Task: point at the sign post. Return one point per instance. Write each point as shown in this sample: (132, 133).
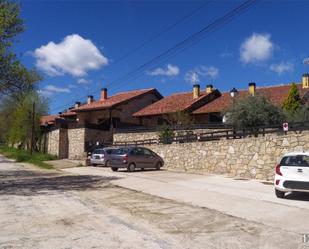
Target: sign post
(285, 127)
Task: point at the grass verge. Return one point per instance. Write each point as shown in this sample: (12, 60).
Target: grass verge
(24, 156)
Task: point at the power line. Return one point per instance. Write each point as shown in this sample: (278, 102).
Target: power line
(189, 41)
(194, 38)
(156, 36)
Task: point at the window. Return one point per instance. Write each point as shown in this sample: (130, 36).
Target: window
(298, 160)
(148, 152)
(137, 152)
(98, 151)
(120, 151)
(162, 121)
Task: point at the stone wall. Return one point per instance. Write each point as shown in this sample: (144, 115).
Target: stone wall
(76, 143)
(135, 136)
(52, 142)
(248, 157)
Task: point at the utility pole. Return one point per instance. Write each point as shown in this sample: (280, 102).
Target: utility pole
(32, 127)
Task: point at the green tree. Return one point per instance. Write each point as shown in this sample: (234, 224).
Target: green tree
(301, 115)
(292, 103)
(17, 83)
(253, 111)
(181, 118)
(20, 130)
(15, 79)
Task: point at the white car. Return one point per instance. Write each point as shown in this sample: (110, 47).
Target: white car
(292, 174)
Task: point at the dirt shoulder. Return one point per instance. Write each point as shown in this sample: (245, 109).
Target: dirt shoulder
(55, 210)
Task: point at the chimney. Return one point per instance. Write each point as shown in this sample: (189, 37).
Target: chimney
(196, 91)
(103, 94)
(305, 80)
(77, 104)
(252, 88)
(89, 99)
(209, 88)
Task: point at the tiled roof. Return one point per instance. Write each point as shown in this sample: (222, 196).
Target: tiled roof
(116, 99)
(276, 94)
(68, 113)
(170, 104)
(48, 119)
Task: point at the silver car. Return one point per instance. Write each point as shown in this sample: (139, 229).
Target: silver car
(132, 158)
(101, 156)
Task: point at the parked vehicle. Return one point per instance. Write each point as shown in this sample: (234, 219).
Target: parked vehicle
(292, 174)
(135, 157)
(101, 156)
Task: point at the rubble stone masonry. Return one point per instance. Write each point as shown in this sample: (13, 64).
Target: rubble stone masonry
(76, 143)
(249, 157)
(53, 142)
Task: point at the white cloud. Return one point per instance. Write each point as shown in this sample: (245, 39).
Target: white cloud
(170, 70)
(83, 81)
(256, 48)
(74, 55)
(211, 72)
(282, 67)
(51, 89)
(226, 55)
(192, 77)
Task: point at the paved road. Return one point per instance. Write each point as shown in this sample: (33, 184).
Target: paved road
(52, 209)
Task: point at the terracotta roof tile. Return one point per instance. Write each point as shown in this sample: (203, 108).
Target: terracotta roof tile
(170, 104)
(115, 100)
(48, 119)
(276, 95)
(68, 113)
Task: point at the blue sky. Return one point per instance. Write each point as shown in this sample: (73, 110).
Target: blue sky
(74, 44)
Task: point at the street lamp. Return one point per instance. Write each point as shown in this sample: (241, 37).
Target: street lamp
(233, 93)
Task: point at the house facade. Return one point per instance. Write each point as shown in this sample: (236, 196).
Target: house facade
(71, 133)
(164, 110)
(275, 94)
(82, 127)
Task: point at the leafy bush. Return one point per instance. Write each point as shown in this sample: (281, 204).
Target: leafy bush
(254, 111)
(301, 115)
(166, 134)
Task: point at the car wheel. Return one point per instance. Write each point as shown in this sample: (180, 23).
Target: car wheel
(158, 166)
(107, 164)
(94, 165)
(131, 167)
(114, 169)
(279, 194)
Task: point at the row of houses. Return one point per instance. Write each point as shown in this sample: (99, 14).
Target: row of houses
(71, 133)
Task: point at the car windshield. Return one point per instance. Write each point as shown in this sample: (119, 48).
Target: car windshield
(98, 151)
(297, 160)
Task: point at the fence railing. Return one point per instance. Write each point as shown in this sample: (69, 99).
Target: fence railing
(217, 135)
(137, 129)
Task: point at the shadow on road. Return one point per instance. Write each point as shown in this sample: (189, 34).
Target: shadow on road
(5, 174)
(23, 182)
